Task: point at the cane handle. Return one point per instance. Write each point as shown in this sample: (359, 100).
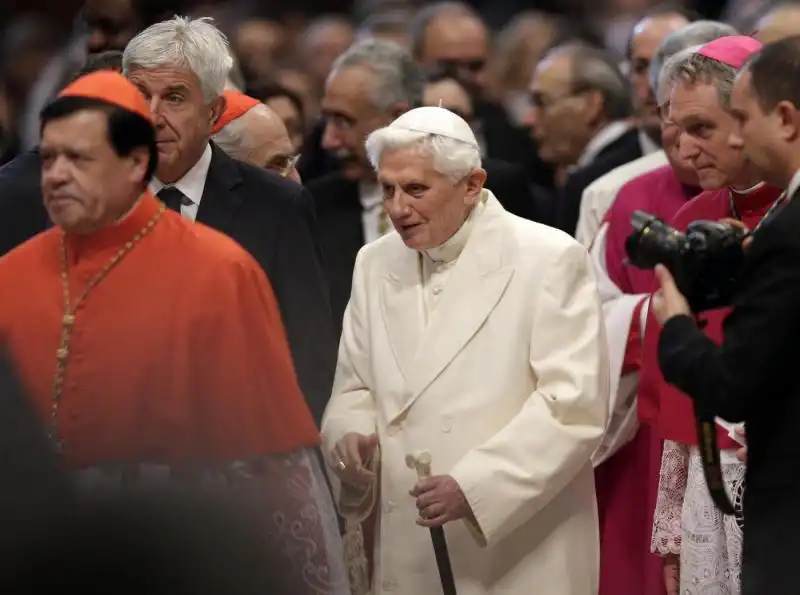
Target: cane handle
(420, 461)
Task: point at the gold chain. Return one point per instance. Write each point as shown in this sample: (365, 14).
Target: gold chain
(70, 312)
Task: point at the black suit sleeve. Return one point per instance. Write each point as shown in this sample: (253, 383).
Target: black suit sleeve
(299, 284)
(760, 336)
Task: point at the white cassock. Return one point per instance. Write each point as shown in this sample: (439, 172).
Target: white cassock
(598, 197)
(488, 352)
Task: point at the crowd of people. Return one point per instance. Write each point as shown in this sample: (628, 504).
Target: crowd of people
(216, 276)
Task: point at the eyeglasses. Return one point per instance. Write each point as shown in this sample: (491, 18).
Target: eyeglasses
(283, 164)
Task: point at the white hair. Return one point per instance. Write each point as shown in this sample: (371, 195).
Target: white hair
(690, 67)
(694, 34)
(450, 157)
(233, 138)
(195, 45)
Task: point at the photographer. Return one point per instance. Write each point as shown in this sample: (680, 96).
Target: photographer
(702, 549)
(751, 377)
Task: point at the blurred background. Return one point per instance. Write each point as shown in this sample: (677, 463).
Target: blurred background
(290, 45)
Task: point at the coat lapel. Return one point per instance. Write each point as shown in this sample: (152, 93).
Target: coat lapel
(401, 307)
(219, 204)
(474, 288)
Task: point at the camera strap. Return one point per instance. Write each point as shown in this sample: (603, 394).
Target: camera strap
(710, 457)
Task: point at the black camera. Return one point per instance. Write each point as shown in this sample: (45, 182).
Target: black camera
(704, 261)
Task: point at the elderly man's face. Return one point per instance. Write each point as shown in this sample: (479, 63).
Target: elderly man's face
(647, 36)
(557, 118)
(705, 128)
(111, 24)
(425, 206)
(272, 148)
(757, 133)
(459, 43)
(85, 184)
(182, 117)
(349, 118)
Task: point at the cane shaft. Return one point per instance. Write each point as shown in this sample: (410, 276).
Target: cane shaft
(443, 561)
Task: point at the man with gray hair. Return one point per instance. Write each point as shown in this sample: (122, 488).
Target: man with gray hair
(371, 84)
(580, 117)
(464, 356)
(452, 37)
(629, 459)
(646, 37)
(181, 67)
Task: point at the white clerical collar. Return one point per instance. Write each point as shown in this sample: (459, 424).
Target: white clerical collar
(452, 248)
(193, 181)
(794, 185)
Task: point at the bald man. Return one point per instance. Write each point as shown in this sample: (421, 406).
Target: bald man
(780, 22)
(646, 36)
(259, 137)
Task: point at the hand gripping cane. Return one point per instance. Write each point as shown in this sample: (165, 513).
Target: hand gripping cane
(421, 461)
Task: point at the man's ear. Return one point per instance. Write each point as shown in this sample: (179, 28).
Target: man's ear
(217, 108)
(140, 159)
(475, 182)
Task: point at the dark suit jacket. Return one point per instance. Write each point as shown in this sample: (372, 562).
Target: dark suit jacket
(22, 212)
(623, 150)
(752, 378)
(342, 235)
(273, 219)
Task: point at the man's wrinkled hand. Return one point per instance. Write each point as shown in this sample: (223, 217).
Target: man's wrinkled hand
(439, 501)
(668, 301)
(350, 457)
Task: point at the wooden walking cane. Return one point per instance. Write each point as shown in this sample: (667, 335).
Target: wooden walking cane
(421, 461)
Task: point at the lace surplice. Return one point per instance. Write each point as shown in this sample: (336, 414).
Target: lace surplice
(302, 523)
(687, 523)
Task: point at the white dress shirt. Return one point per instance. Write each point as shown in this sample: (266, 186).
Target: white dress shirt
(191, 185)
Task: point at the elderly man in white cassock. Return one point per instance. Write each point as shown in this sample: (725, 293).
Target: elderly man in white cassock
(476, 337)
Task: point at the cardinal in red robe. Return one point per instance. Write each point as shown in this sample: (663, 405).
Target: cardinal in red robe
(153, 347)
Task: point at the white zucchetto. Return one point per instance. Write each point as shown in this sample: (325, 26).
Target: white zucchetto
(439, 121)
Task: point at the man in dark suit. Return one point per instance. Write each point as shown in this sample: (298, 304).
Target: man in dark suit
(370, 85)
(452, 37)
(752, 376)
(581, 117)
(271, 217)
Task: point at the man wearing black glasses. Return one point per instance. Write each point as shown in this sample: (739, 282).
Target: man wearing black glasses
(452, 37)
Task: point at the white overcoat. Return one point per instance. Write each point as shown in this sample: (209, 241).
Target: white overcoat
(507, 388)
